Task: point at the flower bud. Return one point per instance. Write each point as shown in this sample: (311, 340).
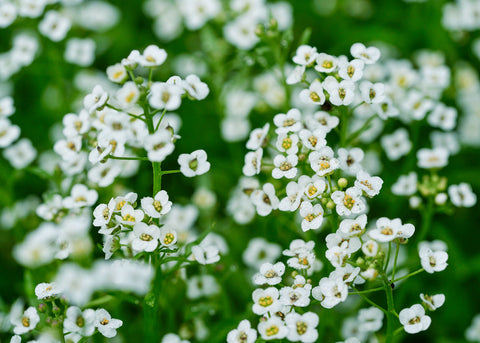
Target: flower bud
(42, 307)
(342, 182)
(330, 204)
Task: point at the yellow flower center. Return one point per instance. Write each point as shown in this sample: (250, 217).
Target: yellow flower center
(120, 205)
(146, 237)
(301, 328)
(128, 218)
(348, 201)
(284, 166)
(265, 301)
(287, 143)
(314, 96)
(169, 237)
(272, 330)
(327, 64)
(157, 206)
(26, 322)
(288, 122)
(312, 190)
(104, 321)
(387, 231)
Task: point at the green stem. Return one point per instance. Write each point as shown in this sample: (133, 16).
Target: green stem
(370, 301)
(130, 158)
(390, 314)
(170, 172)
(388, 256)
(395, 261)
(157, 169)
(161, 118)
(368, 290)
(409, 275)
(427, 216)
(357, 133)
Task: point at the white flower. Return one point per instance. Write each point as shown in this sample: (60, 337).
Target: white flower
(205, 254)
(473, 331)
(305, 55)
(105, 324)
(194, 164)
(129, 216)
(272, 328)
(370, 319)
(168, 236)
(243, 333)
(8, 14)
(293, 198)
(253, 162)
(325, 63)
(322, 119)
(265, 199)
(117, 73)
(80, 51)
(258, 137)
(296, 75)
(312, 187)
(462, 195)
(433, 261)
(443, 117)
(369, 55)
(25, 322)
(330, 292)
(313, 95)
(352, 70)
(197, 12)
(157, 206)
(202, 286)
(290, 122)
(370, 248)
(406, 184)
(165, 96)
(432, 158)
(146, 237)
(322, 161)
(287, 143)
(159, 145)
(386, 229)
(285, 166)
(95, 100)
(47, 290)
(348, 202)
(241, 32)
(152, 56)
(260, 251)
(6, 103)
(128, 95)
(8, 133)
(266, 300)
(269, 274)
(372, 93)
(371, 185)
(396, 144)
(312, 216)
(302, 327)
(353, 227)
(350, 160)
(195, 87)
(341, 93)
(414, 319)
(54, 26)
(79, 322)
(433, 301)
(313, 140)
(298, 296)
(21, 154)
(80, 196)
